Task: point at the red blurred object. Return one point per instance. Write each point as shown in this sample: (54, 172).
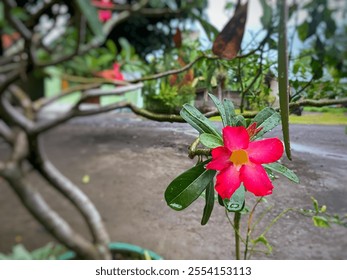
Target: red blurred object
(112, 74)
(104, 15)
(103, 5)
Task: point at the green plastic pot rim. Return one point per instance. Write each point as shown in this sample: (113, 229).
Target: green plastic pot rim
(117, 246)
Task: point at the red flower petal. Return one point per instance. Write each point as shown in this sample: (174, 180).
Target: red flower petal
(228, 181)
(255, 179)
(265, 151)
(220, 159)
(235, 138)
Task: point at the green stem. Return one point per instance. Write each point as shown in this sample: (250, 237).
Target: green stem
(237, 218)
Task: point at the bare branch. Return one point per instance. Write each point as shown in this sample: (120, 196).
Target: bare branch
(15, 116)
(71, 192)
(24, 101)
(16, 22)
(42, 102)
(88, 80)
(81, 34)
(5, 132)
(38, 207)
(116, 91)
(20, 147)
(174, 71)
(7, 80)
(46, 5)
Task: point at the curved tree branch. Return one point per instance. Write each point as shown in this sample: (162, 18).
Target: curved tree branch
(70, 191)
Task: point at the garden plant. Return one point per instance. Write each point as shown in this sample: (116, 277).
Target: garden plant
(238, 156)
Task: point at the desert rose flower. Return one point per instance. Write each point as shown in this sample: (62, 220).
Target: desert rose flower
(240, 161)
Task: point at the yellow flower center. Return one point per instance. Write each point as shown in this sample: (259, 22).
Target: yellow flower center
(239, 157)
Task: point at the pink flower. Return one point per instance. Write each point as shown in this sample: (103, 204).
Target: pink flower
(240, 161)
(117, 73)
(104, 15)
(112, 74)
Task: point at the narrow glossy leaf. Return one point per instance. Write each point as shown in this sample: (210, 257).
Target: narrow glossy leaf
(283, 75)
(210, 140)
(220, 108)
(209, 203)
(240, 121)
(91, 15)
(188, 186)
(229, 112)
(237, 200)
(263, 115)
(197, 120)
(281, 169)
(266, 18)
(267, 119)
(320, 221)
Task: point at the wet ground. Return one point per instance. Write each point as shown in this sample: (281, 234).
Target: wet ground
(130, 163)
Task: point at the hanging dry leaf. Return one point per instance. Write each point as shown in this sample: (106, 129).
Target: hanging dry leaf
(228, 42)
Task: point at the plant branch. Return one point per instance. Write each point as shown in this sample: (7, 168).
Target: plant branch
(70, 191)
(6, 133)
(16, 22)
(174, 71)
(38, 207)
(15, 116)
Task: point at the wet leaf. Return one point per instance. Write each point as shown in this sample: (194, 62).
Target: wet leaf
(228, 42)
(240, 121)
(237, 200)
(281, 169)
(188, 186)
(210, 140)
(220, 108)
(209, 203)
(267, 119)
(197, 120)
(229, 112)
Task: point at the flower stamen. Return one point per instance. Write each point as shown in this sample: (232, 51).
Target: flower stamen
(239, 158)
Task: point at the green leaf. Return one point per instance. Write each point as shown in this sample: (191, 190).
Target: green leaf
(237, 200)
(240, 121)
(20, 253)
(220, 201)
(320, 221)
(262, 239)
(91, 15)
(210, 140)
(315, 204)
(267, 14)
(302, 30)
(197, 120)
(220, 108)
(281, 169)
(209, 199)
(268, 119)
(188, 186)
(229, 112)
